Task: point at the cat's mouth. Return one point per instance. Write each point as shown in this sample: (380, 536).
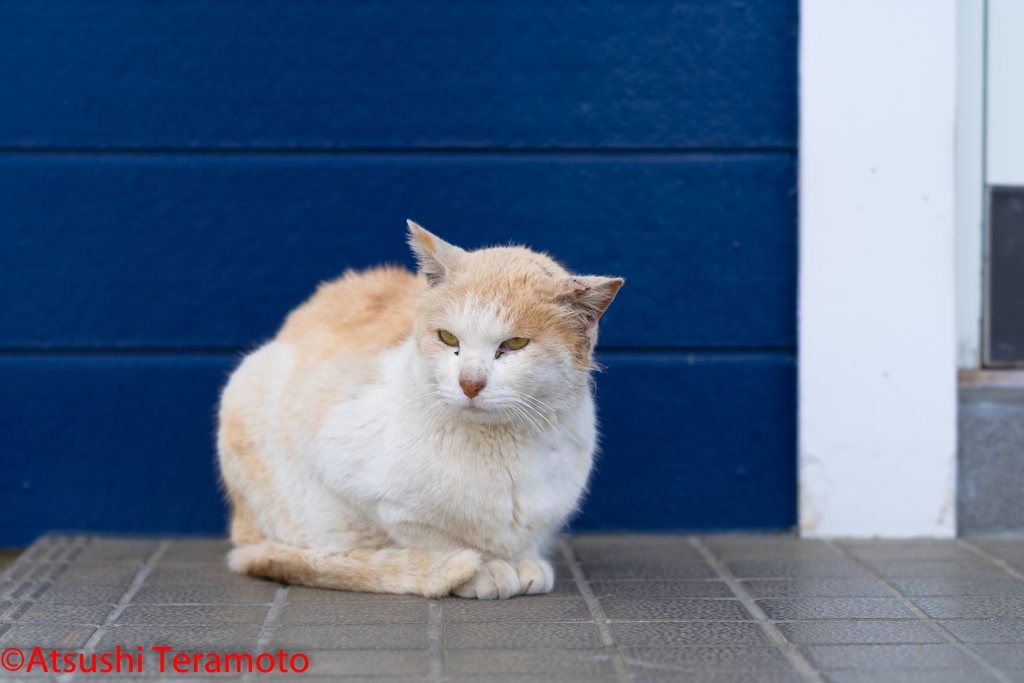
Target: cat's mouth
(478, 407)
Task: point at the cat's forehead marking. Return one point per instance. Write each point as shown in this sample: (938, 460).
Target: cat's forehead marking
(483, 320)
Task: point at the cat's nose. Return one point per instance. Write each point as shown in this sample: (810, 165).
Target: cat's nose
(471, 386)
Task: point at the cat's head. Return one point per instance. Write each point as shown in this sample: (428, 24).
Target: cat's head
(505, 327)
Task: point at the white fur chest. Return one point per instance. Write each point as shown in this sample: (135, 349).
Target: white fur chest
(435, 482)
(500, 494)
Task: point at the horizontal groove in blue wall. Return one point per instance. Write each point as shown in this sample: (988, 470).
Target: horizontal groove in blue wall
(119, 358)
(693, 356)
(128, 352)
(658, 353)
(387, 155)
(417, 151)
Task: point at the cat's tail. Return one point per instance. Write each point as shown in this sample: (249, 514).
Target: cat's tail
(390, 570)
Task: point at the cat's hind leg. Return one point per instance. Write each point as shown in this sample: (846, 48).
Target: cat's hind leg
(244, 530)
(388, 570)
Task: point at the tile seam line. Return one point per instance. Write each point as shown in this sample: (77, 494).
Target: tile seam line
(802, 665)
(618, 660)
(435, 631)
(269, 625)
(8, 572)
(270, 622)
(999, 562)
(923, 616)
(126, 597)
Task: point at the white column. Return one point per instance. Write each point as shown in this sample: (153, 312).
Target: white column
(970, 179)
(1005, 90)
(877, 306)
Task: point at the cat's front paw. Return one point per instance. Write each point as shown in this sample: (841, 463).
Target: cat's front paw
(495, 579)
(535, 576)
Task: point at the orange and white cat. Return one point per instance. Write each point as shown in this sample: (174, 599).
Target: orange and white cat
(424, 434)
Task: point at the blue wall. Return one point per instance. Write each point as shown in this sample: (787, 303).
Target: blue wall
(175, 177)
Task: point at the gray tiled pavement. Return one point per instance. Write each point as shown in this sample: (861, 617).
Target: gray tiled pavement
(713, 609)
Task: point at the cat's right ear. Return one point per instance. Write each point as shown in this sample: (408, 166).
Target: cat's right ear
(589, 296)
(436, 258)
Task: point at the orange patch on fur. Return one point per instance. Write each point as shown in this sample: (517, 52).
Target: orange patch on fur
(409, 571)
(360, 312)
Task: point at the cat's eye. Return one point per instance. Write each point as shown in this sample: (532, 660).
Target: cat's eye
(516, 343)
(448, 338)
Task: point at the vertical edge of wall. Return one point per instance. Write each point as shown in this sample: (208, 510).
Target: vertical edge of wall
(970, 179)
(877, 340)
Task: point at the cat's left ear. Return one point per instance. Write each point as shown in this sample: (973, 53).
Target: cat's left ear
(436, 258)
(590, 295)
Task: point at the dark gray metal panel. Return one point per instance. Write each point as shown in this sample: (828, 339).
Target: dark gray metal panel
(1005, 291)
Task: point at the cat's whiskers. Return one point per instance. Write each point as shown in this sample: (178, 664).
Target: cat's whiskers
(528, 408)
(437, 409)
(504, 415)
(559, 427)
(517, 407)
(525, 398)
(529, 397)
(535, 404)
(554, 427)
(518, 419)
(508, 418)
(428, 394)
(534, 400)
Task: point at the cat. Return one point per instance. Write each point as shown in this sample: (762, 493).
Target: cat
(422, 433)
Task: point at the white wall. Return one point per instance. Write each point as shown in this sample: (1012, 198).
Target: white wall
(970, 179)
(877, 333)
(1005, 89)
